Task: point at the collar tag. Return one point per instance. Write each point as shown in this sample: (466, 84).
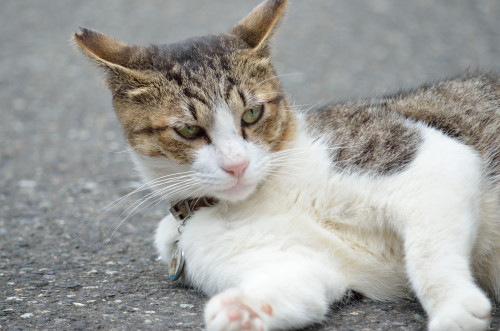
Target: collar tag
(176, 263)
(182, 211)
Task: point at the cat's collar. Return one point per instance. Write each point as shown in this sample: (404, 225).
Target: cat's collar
(184, 209)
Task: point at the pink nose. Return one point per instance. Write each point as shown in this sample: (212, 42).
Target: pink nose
(236, 169)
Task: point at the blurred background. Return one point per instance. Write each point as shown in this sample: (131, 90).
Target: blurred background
(61, 158)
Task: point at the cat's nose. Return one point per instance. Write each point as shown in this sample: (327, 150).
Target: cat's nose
(236, 169)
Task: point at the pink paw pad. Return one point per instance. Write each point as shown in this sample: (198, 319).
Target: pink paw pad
(238, 314)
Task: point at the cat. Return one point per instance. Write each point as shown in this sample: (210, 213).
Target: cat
(279, 213)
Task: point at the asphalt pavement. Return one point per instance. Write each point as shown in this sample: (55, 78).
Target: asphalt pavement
(66, 261)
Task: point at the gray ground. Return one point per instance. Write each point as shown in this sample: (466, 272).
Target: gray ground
(60, 160)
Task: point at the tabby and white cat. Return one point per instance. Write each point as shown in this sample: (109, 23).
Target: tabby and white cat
(388, 197)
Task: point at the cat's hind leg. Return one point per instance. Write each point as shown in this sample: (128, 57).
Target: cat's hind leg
(440, 202)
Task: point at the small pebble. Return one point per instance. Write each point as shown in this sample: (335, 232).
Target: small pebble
(27, 184)
(14, 299)
(398, 324)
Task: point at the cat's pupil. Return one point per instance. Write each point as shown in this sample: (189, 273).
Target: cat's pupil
(252, 115)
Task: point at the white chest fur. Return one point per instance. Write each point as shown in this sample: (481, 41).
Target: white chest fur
(330, 217)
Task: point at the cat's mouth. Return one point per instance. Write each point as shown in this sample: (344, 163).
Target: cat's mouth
(237, 192)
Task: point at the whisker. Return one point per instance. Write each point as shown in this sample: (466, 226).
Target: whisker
(146, 186)
(139, 202)
(157, 196)
(128, 149)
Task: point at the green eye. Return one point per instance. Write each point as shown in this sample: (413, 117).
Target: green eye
(190, 132)
(252, 115)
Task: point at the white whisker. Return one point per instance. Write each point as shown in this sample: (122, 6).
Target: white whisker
(157, 197)
(148, 185)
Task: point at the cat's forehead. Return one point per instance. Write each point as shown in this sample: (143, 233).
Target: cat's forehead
(197, 58)
(205, 73)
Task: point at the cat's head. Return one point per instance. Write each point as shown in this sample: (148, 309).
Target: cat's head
(202, 116)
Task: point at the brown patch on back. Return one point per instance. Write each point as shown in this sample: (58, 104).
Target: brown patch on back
(466, 108)
(365, 137)
(374, 136)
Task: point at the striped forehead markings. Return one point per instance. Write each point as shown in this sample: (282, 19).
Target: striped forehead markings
(190, 94)
(192, 109)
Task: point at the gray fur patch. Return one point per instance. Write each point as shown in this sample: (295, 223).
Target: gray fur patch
(377, 137)
(365, 137)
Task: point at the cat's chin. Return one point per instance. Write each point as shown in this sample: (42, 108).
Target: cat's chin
(236, 193)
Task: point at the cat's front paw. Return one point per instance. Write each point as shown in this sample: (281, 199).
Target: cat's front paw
(231, 310)
(469, 311)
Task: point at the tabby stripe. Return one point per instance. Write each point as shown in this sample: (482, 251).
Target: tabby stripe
(150, 130)
(243, 98)
(190, 94)
(276, 100)
(193, 111)
(229, 89)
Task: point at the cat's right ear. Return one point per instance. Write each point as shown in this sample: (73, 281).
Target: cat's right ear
(115, 57)
(257, 28)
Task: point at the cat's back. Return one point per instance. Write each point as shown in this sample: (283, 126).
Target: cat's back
(381, 135)
(466, 108)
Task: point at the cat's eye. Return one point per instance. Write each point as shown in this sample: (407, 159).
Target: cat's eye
(190, 131)
(252, 115)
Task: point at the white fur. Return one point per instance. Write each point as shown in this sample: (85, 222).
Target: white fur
(311, 232)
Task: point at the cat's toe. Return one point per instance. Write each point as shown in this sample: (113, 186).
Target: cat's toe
(467, 312)
(230, 310)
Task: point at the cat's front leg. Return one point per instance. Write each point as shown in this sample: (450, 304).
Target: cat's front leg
(233, 310)
(285, 296)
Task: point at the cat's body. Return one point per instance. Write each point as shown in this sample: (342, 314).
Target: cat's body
(390, 197)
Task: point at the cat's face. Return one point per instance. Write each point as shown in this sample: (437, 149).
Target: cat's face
(203, 117)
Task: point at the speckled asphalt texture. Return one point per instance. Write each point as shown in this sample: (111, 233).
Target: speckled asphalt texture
(66, 261)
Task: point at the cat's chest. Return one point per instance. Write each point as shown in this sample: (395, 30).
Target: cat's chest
(309, 192)
(308, 204)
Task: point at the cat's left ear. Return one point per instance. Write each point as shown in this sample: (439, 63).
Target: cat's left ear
(258, 27)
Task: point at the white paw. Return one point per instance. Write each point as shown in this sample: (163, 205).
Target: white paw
(469, 312)
(231, 310)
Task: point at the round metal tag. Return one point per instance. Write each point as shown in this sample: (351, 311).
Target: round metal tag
(176, 263)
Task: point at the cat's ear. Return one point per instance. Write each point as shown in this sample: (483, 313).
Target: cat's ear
(114, 56)
(257, 28)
